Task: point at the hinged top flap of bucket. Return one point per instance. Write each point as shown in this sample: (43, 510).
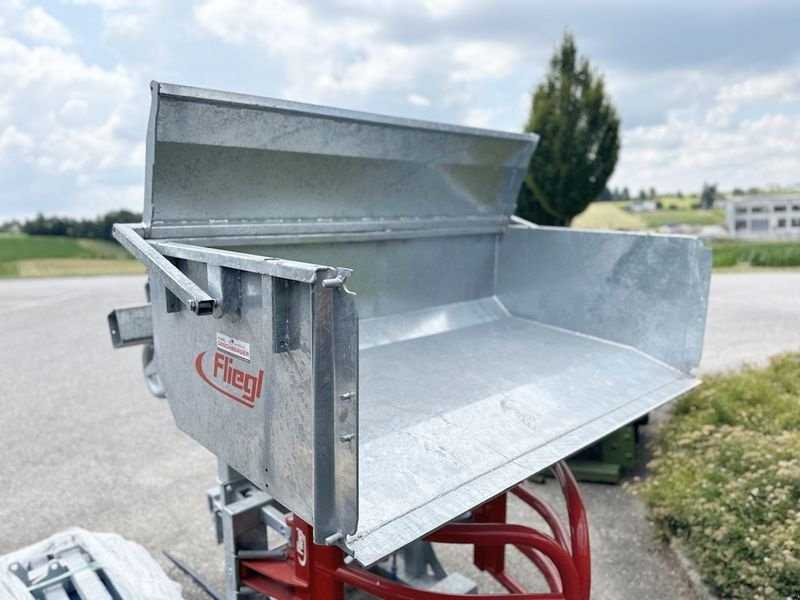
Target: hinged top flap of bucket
(230, 164)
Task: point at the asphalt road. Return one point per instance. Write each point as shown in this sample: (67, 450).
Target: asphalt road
(83, 443)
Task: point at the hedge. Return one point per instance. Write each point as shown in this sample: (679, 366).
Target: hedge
(725, 478)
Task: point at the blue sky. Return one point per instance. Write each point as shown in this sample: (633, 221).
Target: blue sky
(707, 91)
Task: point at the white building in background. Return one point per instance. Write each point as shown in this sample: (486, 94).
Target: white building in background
(764, 217)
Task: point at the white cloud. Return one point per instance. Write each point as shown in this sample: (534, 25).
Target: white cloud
(435, 9)
(37, 24)
(329, 58)
(122, 18)
(418, 100)
(781, 87)
(14, 143)
(110, 4)
(441, 9)
(738, 128)
(685, 152)
(475, 61)
(62, 125)
(74, 109)
(721, 114)
(321, 58)
(478, 117)
(73, 104)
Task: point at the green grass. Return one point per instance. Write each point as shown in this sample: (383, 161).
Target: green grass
(755, 254)
(726, 480)
(683, 203)
(61, 267)
(104, 249)
(715, 216)
(49, 256)
(20, 246)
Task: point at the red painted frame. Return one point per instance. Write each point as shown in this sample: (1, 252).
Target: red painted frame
(319, 573)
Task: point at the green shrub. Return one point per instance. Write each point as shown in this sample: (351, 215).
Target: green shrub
(726, 480)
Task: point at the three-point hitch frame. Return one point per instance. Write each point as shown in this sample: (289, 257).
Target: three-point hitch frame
(298, 569)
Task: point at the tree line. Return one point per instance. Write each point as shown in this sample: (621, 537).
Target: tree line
(98, 228)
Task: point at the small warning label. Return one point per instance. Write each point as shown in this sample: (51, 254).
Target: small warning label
(234, 347)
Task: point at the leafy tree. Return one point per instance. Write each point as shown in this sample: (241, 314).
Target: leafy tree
(12, 226)
(626, 195)
(605, 195)
(579, 143)
(642, 195)
(652, 193)
(708, 195)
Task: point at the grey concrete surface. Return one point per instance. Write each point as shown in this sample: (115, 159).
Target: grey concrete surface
(751, 317)
(83, 443)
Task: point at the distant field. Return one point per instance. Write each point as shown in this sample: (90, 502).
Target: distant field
(728, 255)
(611, 215)
(715, 216)
(682, 203)
(608, 215)
(49, 256)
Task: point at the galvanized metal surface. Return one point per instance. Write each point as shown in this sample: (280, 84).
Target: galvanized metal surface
(286, 437)
(481, 407)
(248, 166)
(131, 326)
(645, 291)
(476, 351)
(181, 287)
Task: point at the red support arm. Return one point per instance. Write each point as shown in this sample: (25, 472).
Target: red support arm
(313, 572)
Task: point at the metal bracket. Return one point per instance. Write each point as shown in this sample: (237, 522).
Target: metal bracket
(131, 326)
(243, 515)
(183, 288)
(224, 285)
(285, 325)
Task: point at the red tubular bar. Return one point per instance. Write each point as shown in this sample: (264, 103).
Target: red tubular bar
(499, 534)
(392, 590)
(488, 557)
(492, 558)
(554, 523)
(546, 568)
(312, 572)
(578, 525)
(546, 512)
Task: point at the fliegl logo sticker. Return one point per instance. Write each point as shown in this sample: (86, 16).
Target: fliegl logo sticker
(222, 372)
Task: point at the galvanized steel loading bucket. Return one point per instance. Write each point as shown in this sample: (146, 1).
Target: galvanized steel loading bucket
(448, 351)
